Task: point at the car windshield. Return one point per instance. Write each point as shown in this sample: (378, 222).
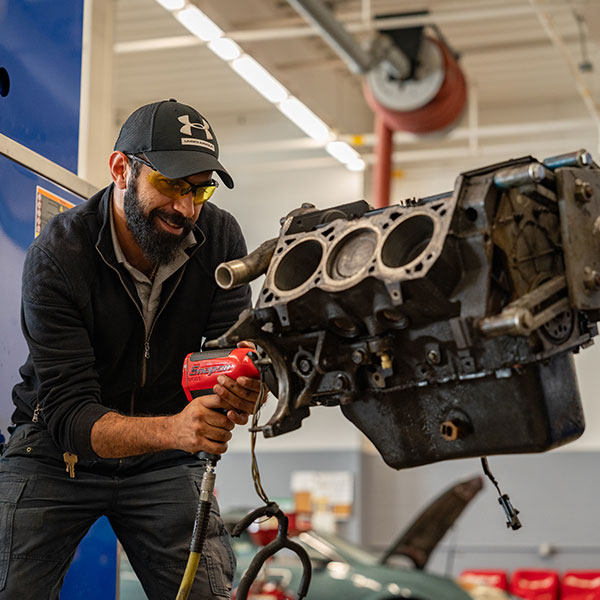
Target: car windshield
(333, 546)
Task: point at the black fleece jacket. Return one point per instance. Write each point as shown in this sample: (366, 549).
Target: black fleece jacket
(89, 351)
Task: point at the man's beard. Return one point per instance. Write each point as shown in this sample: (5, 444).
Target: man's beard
(158, 246)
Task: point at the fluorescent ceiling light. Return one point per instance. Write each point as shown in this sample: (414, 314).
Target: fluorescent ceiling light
(342, 151)
(193, 19)
(306, 119)
(259, 78)
(172, 4)
(356, 165)
(199, 24)
(225, 48)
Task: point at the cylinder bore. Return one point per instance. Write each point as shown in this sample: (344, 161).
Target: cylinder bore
(352, 254)
(407, 241)
(298, 265)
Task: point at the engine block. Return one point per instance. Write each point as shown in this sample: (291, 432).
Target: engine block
(443, 327)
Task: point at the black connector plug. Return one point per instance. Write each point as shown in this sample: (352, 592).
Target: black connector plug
(512, 521)
(511, 513)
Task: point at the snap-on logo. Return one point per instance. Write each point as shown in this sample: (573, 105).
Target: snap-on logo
(197, 370)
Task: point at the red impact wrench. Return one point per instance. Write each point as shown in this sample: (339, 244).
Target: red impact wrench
(200, 372)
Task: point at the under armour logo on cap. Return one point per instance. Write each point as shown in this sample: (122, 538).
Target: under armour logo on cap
(187, 126)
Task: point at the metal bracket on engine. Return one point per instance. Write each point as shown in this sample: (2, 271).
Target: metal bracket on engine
(580, 228)
(519, 318)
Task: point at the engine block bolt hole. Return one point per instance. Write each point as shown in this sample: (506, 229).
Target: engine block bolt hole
(471, 214)
(358, 356)
(450, 431)
(305, 366)
(434, 357)
(341, 382)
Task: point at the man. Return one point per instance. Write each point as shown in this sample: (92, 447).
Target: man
(115, 293)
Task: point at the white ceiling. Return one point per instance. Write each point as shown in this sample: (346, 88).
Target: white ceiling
(520, 58)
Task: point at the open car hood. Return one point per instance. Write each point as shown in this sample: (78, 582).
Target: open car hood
(425, 532)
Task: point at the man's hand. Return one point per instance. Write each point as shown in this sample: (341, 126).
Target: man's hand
(240, 395)
(203, 426)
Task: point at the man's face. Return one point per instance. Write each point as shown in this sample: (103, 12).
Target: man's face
(158, 223)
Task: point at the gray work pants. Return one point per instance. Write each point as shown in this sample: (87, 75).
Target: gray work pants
(150, 501)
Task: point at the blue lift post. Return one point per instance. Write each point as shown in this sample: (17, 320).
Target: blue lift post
(40, 78)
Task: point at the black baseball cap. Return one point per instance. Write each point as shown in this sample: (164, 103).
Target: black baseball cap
(175, 138)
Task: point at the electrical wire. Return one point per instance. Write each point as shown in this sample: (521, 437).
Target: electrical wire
(253, 434)
(512, 520)
(488, 473)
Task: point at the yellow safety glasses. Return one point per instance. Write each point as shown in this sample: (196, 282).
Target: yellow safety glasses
(177, 188)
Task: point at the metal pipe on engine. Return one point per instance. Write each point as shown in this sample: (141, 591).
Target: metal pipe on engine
(580, 158)
(243, 270)
(522, 175)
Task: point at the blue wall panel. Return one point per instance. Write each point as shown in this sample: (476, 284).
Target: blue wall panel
(94, 570)
(93, 573)
(17, 224)
(40, 53)
(40, 78)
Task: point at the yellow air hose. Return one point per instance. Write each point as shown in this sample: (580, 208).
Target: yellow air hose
(200, 526)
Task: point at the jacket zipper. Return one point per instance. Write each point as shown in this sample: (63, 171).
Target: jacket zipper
(36, 413)
(147, 336)
(147, 333)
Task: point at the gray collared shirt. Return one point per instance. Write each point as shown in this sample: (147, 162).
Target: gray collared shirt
(149, 290)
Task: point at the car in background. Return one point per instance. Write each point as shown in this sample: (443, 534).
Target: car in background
(342, 570)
